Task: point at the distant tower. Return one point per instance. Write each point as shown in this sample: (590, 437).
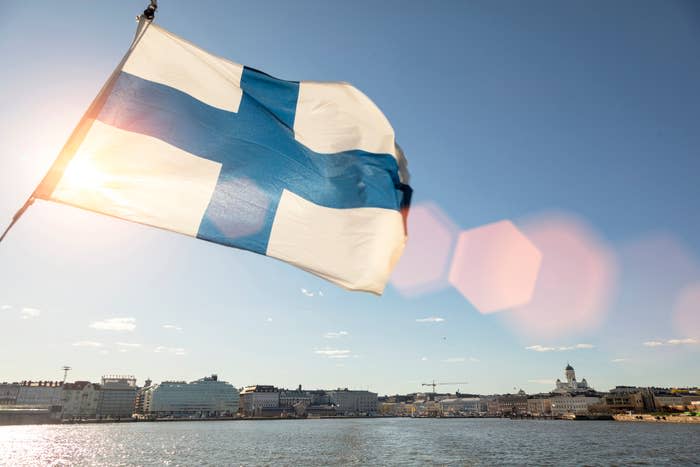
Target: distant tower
(65, 369)
(570, 373)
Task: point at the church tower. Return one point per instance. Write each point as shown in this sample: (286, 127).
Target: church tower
(570, 373)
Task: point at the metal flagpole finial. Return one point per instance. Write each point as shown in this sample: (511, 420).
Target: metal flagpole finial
(150, 12)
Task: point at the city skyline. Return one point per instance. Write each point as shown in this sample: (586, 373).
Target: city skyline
(556, 385)
(118, 397)
(581, 135)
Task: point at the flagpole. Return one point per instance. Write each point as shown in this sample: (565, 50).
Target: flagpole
(144, 19)
(150, 12)
(17, 215)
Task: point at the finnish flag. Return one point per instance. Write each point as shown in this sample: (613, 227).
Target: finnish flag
(306, 172)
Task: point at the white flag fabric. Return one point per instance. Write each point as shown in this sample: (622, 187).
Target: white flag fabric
(306, 172)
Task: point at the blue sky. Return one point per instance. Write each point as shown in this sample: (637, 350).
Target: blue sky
(506, 111)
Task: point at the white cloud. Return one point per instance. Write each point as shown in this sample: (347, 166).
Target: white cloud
(5, 307)
(685, 341)
(29, 313)
(129, 345)
(541, 381)
(172, 327)
(115, 324)
(307, 293)
(87, 344)
(424, 359)
(431, 319)
(334, 353)
(620, 360)
(540, 348)
(563, 348)
(269, 320)
(171, 350)
(335, 335)
(474, 359)
(320, 294)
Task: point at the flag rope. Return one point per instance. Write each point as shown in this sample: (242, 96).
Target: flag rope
(144, 21)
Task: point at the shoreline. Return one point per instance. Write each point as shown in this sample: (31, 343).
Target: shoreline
(625, 418)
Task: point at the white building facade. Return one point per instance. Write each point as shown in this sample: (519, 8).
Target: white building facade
(461, 405)
(350, 402)
(39, 393)
(80, 400)
(9, 393)
(576, 405)
(206, 397)
(539, 406)
(255, 399)
(571, 386)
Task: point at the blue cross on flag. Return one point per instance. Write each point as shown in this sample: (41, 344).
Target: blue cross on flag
(306, 172)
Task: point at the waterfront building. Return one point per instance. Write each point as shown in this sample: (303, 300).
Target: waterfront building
(508, 404)
(571, 386)
(294, 397)
(39, 393)
(461, 406)
(258, 399)
(565, 404)
(80, 400)
(690, 397)
(9, 393)
(320, 397)
(492, 406)
(206, 397)
(539, 405)
(295, 401)
(351, 402)
(668, 401)
(141, 397)
(692, 402)
(426, 408)
(396, 409)
(624, 399)
(117, 397)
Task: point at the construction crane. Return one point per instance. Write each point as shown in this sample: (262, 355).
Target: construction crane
(65, 369)
(434, 384)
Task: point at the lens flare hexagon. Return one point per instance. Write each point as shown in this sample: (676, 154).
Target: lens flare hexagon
(686, 313)
(575, 283)
(423, 266)
(655, 267)
(495, 266)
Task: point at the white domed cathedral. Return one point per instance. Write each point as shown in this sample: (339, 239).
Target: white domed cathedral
(571, 385)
